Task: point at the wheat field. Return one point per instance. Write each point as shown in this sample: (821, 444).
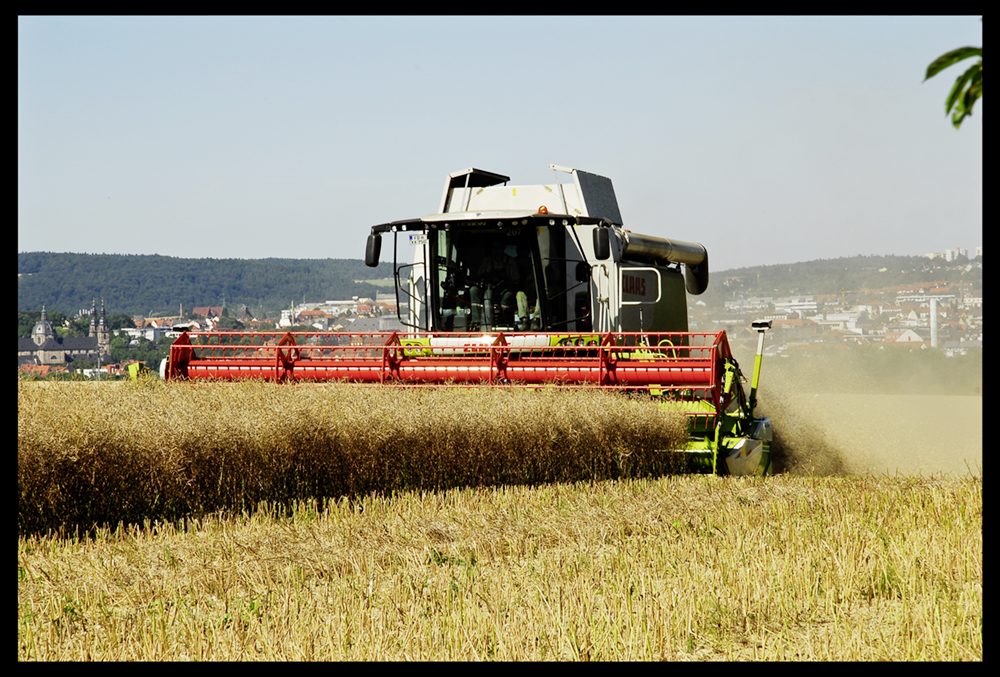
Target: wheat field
(99, 455)
(642, 565)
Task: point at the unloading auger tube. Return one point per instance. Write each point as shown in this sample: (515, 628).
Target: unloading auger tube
(526, 287)
(693, 255)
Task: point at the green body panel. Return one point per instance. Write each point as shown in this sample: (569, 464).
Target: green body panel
(669, 314)
(704, 457)
(137, 369)
(715, 435)
(575, 339)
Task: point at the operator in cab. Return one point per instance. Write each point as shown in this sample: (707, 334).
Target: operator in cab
(499, 276)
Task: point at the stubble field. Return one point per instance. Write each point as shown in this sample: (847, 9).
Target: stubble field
(822, 562)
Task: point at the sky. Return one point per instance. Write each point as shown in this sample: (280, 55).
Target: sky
(767, 139)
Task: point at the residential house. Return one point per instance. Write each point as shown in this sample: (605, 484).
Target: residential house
(790, 331)
(208, 311)
(43, 370)
(910, 336)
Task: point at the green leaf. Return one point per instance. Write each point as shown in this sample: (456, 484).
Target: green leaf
(971, 81)
(950, 59)
(965, 105)
(977, 81)
(956, 90)
(959, 115)
(970, 98)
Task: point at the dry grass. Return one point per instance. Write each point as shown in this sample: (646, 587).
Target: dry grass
(102, 454)
(225, 560)
(676, 568)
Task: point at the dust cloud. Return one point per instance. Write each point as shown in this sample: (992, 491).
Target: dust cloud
(860, 412)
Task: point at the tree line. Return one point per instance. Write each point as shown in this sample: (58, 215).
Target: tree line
(832, 276)
(158, 285)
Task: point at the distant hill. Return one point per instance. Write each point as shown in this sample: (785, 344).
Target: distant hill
(159, 284)
(833, 276)
(136, 284)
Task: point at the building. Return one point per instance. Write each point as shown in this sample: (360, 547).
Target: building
(953, 348)
(907, 335)
(800, 306)
(46, 347)
(376, 324)
(208, 311)
(790, 331)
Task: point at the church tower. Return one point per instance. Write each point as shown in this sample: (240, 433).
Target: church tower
(43, 331)
(93, 319)
(103, 332)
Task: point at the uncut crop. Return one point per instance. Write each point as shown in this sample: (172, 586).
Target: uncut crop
(103, 454)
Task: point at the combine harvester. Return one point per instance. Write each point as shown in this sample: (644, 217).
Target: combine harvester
(527, 286)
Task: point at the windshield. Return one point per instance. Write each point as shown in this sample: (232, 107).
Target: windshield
(485, 279)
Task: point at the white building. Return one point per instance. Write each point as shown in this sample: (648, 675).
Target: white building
(923, 298)
(153, 334)
(797, 305)
(845, 322)
(904, 336)
(751, 303)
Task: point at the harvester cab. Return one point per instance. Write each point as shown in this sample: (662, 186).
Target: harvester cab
(549, 257)
(527, 286)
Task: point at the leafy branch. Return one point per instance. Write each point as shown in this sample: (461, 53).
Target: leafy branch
(968, 87)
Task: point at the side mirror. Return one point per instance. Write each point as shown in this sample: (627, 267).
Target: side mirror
(373, 249)
(602, 243)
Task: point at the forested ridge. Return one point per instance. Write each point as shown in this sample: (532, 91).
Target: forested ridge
(157, 285)
(139, 284)
(846, 274)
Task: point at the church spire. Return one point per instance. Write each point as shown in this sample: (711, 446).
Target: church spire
(43, 331)
(101, 330)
